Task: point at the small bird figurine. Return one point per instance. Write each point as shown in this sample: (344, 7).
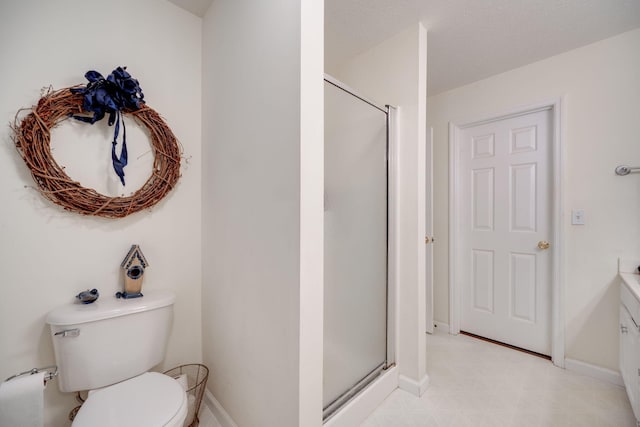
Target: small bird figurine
(88, 296)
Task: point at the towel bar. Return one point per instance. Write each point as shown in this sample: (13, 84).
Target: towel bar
(626, 170)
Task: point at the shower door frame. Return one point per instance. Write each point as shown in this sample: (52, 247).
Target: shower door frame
(391, 324)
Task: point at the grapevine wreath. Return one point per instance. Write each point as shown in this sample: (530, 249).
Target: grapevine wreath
(117, 96)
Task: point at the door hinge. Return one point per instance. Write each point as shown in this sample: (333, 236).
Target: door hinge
(428, 240)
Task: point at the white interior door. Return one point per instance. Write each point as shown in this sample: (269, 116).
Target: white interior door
(504, 226)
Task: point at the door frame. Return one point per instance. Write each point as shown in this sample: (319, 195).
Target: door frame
(557, 332)
(429, 238)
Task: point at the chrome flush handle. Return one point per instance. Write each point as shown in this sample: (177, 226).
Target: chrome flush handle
(68, 333)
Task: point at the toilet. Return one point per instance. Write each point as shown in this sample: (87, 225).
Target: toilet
(107, 348)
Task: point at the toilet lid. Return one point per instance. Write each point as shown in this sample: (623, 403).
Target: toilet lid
(150, 399)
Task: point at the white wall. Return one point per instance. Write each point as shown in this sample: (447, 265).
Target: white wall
(262, 210)
(394, 73)
(48, 255)
(601, 90)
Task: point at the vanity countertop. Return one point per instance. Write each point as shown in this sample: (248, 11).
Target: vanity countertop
(628, 272)
(632, 282)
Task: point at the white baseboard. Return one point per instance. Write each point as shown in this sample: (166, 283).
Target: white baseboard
(597, 372)
(358, 409)
(441, 327)
(206, 418)
(412, 386)
(352, 414)
(212, 404)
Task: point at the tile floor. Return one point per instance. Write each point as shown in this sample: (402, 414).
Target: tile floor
(475, 383)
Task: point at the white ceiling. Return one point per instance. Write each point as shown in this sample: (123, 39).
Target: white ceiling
(197, 7)
(469, 39)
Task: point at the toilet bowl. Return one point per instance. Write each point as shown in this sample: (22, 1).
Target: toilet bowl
(108, 348)
(150, 399)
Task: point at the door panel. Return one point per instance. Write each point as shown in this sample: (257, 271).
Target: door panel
(482, 199)
(523, 197)
(505, 277)
(522, 287)
(482, 280)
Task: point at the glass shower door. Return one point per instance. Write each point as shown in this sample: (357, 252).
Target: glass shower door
(355, 245)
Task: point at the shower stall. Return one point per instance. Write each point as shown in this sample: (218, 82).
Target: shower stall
(357, 317)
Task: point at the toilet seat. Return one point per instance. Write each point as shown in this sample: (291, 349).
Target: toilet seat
(148, 400)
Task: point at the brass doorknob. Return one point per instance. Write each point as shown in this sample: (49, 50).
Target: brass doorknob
(542, 244)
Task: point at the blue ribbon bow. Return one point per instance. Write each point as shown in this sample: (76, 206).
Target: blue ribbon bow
(118, 92)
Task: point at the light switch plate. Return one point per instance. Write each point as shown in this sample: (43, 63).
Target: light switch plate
(577, 217)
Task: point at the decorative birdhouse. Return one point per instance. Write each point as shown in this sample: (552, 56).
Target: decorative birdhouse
(133, 266)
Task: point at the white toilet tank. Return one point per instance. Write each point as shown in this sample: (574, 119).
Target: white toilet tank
(111, 340)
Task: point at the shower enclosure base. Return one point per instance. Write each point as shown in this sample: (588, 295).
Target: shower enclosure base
(363, 404)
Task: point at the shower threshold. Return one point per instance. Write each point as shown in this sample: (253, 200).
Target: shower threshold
(338, 403)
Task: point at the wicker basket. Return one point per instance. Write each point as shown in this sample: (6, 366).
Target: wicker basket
(193, 378)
